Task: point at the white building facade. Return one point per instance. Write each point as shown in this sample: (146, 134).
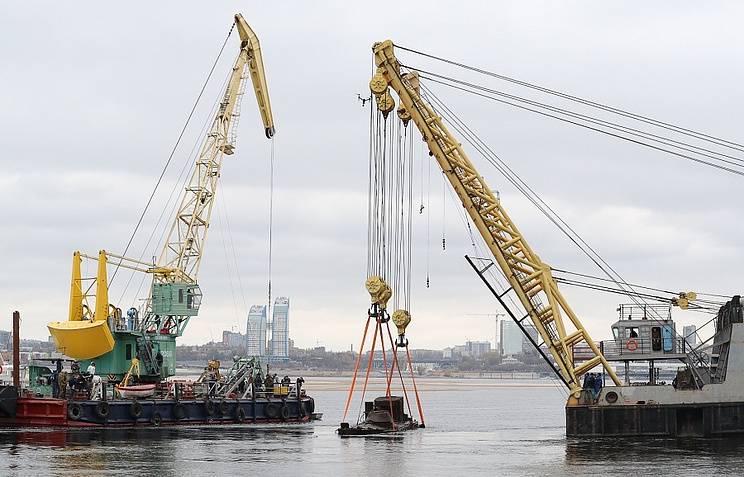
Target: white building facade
(280, 328)
(256, 331)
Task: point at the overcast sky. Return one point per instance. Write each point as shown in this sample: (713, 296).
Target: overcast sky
(92, 98)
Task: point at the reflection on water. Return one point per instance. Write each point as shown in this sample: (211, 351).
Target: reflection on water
(494, 430)
(719, 456)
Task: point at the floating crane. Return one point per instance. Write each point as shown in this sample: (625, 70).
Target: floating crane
(703, 399)
(109, 338)
(530, 278)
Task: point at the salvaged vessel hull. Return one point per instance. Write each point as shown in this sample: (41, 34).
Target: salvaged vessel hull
(383, 415)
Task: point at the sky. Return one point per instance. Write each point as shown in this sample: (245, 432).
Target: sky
(93, 97)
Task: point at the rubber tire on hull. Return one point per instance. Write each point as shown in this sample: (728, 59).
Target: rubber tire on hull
(223, 407)
(156, 419)
(240, 414)
(135, 409)
(272, 410)
(285, 412)
(179, 411)
(102, 409)
(311, 406)
(209, 407)
(74, 411)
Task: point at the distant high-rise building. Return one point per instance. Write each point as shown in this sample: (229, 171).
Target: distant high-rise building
(280, 328)
(690, 334)
(478, 348)
(232, 339)
(528, 347)
(511, 338)
(255, 334)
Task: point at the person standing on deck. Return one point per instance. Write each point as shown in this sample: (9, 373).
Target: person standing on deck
(92, 368)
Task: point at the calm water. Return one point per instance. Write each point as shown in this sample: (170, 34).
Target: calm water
(499, 430)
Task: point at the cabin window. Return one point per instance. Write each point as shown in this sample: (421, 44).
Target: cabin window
(615, 332)
(631, 332)
(128, 351)
(180, 295)
(189, 300)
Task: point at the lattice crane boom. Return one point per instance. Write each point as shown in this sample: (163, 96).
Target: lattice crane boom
(530, 277)
(184, 247)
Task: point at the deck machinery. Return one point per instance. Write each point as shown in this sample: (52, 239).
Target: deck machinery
(706, 398)
(112, 338)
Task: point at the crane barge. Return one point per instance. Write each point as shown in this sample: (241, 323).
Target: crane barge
(707, 396)
(129, 358)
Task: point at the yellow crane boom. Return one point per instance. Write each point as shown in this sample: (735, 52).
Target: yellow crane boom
(183, 250)
(530, 277)
(175, 295)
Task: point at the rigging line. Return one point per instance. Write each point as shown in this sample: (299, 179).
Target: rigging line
(533, 197)
(478, 244)
(271, 224)
(591, 286)
(594, 120)
(444, 212)
(369, 190)
(428, 219)
(170, 157)
(187, 167)
(411, 172)
(594, 104)
(227, 262)
(234, 253)
(692, 353)
(543, 113)
(633, 285)
(522, 186)
(422, 160)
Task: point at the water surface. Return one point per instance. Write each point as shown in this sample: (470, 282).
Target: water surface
(473, 427)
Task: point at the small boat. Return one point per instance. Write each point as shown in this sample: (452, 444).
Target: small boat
(136, 391)
(384, 415)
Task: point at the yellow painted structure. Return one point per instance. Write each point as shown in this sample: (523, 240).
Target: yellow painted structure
(82, 337)
(558, 325)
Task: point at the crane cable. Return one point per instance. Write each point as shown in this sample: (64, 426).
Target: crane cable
(533, 197)
(170, 156)
(180, 183)
(271, 232)
(595, 121)
(526, 190)
(645, 119)
(592, 119)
